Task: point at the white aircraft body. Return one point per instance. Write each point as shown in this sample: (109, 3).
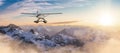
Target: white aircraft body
(41, 16)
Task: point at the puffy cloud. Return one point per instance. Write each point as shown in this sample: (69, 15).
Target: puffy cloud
(49, 4)
(1, 2)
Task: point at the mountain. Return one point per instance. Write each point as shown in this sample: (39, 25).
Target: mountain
(40, 37)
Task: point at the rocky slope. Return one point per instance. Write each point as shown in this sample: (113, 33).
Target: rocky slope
(62, 38)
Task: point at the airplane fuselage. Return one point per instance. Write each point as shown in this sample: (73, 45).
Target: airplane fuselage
(40, 18)
(38, 15)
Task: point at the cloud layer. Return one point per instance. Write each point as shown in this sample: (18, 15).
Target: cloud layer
(1, 2)
(49, 4)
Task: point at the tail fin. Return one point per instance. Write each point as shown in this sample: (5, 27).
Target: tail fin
(37, 12)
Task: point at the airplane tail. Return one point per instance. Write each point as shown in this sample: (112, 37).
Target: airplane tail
(37, 12)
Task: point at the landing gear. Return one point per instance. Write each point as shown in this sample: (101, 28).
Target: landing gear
(36, 21)
(41, 20)
(45, 21)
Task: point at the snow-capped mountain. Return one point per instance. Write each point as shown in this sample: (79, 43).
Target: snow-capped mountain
(39, 38)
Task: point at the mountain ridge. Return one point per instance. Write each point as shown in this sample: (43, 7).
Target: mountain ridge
(34, 37)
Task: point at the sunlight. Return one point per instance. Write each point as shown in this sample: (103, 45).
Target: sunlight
(106, 19)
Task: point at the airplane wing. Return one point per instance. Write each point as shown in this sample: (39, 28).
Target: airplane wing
(50, 13)
(41, 13)
(29, 13)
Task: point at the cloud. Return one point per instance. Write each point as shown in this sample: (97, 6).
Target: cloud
(1, 2)
(33, 5)
(64, 22)
(16, 8)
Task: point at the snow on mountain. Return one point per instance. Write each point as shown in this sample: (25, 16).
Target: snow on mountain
(40, 36)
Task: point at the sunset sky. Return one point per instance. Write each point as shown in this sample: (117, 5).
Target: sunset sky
(83, 12)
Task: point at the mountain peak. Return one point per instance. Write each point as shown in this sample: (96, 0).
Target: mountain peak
(13, 26)
(64, 37)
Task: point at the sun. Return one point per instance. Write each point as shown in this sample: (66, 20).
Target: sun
(106, 19)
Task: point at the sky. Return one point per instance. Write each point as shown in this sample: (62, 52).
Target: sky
(81, 11)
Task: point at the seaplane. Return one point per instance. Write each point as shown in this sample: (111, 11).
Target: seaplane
(40, 16)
